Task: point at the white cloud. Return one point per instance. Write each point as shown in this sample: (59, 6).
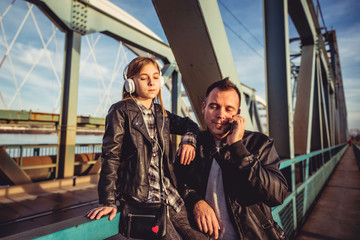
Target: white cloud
(93, 70)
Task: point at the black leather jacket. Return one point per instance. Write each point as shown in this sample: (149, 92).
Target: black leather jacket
(251, 175)
(127, 148)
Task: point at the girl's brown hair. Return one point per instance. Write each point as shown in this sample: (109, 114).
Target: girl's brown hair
(133, 68)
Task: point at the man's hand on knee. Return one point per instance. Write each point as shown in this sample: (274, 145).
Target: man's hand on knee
(206, 219)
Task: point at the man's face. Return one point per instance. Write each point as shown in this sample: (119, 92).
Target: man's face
(218, 109)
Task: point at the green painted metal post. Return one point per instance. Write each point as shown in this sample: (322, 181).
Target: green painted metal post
(304, 101)
(68, 114)
(277, 70)
(176, 93)
(175, 101)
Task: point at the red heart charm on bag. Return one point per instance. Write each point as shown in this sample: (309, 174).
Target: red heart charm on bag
(155, 229)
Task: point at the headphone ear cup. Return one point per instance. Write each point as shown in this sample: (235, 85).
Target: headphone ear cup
(129, 85)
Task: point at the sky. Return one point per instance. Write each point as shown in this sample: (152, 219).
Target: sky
(39, 71)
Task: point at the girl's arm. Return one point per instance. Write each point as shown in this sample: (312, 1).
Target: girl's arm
(110, 157)
(188, 128)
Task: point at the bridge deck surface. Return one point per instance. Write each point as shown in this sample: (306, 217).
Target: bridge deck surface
(25, 211)
(336, 215)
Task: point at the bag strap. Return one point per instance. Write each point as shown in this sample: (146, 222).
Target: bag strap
(267, 224)
(162, 189)
(264, 221)
(161, 178)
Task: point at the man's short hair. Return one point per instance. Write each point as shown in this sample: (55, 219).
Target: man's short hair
(223, 85)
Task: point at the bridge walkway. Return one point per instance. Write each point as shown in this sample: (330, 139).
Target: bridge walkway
(30, 206)
(336, 215)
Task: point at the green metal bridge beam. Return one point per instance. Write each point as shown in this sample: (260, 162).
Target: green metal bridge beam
(328, 111)
(68, 112)
(11, 169)
(304, 17)
(198, 40)
(304, 102)
(91, 16)
(335, 61)
(277, 72)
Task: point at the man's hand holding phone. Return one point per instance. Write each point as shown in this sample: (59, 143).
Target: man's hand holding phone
(237, 128)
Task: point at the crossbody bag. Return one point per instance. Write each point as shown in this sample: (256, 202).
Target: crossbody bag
(144, 220)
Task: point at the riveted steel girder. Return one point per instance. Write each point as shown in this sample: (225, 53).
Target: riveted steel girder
(90, 16)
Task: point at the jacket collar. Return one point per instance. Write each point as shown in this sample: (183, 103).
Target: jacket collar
(138, 122)
(209, 140)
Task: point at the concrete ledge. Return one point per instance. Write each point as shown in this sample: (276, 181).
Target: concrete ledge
(75, 228)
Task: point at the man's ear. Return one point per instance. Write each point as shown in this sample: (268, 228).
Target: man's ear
(203, 108)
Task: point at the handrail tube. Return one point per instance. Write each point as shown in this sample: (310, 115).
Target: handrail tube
(356, 149)
(287, 163)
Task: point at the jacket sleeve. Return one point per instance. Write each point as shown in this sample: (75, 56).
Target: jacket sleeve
(110, 157)
(189, 182)
(180, 125)
(256, 171)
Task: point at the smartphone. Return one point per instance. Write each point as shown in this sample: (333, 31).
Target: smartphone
(232, 125)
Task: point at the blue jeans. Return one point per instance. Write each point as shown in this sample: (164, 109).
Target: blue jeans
(183, 227)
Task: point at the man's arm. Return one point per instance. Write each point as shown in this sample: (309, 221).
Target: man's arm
(256, 167)
(190, 187)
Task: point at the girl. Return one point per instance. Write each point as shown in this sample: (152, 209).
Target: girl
(137, 134)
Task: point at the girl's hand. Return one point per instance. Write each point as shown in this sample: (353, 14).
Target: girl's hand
(98, 212)
(186, 153)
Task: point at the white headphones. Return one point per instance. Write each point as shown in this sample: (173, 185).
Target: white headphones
(130, 85)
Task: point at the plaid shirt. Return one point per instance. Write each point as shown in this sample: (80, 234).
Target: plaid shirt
(170, 192)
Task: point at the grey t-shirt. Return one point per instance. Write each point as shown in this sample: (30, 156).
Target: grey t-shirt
(215, 197)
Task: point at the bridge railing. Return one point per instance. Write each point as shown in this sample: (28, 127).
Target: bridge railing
(306, 176)
(19, 152)
(357, 153)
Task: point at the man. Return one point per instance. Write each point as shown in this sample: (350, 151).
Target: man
(233, 169)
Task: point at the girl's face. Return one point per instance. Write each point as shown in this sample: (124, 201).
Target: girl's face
(147, 83)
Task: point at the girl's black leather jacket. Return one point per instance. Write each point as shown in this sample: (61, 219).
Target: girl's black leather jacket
(127, 149)
(251, 175)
